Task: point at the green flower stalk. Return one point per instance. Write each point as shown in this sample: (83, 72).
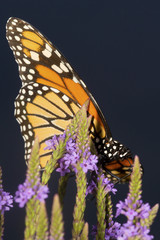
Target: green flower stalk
(57, 225)
(136, 182)
(52, 163)
(148, 222)
(31, 193)
(33, 205)
(81, 180)
(84, 234)
(1, 214)
(139, 215)
(6, 201)
(1, 224)
(62, 188)
(101, 209)
(42, 223)
(109, 210)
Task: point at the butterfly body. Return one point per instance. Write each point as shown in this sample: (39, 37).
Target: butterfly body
(51, 95)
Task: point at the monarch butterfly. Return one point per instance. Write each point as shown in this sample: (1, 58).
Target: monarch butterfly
(51, 94)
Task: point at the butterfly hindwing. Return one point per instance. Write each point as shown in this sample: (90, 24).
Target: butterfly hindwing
(44, 115)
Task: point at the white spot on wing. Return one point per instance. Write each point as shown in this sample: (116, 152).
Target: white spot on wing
(35, 84)
(19, 48)
(32, 71)
(57, 53)
(30, 93)
(75, 79)
(65, 98)
(63, 67)
(26, 27)
(30, 77)
(39, 92)
(30, 87)
(17, 38)
(34, 55)
(69, 66)
(18, 53)
(26, 61)
(23, 68)
(48, 47)
(55, 90)
(84, 85)
(46, 53)
(56, 68)
(30, 133)
(19, 29)
(45, 88)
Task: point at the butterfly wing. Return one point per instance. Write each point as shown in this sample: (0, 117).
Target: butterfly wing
(51, 90)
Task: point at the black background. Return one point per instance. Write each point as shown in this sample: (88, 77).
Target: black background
(115, 48)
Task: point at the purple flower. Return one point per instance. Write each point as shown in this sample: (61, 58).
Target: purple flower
(135, 213)
(54, 141)
(42, 193)
(74, 158)
(128, 231)
(86, 165)
(131, 214)
(144, 211)
(70, 145)
(26, 192)
(62, 169)
(6, 201)
(111, 232)
(94, 230)
(119, 206)
(73, 155)
(91, 188)
(109, 187)
(93, 160)
(90, 161)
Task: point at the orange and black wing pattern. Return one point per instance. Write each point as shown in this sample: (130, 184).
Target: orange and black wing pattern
(51, 92)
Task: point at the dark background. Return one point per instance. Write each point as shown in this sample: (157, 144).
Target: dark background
(115, 48)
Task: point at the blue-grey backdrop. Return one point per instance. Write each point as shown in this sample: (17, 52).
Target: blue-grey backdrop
(115, 48)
